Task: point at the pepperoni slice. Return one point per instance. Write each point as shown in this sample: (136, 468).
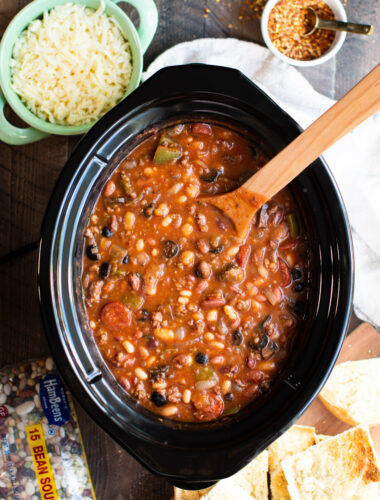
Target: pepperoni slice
(115, 316)
(208, 406)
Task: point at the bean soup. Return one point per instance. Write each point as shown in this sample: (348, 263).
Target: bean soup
(193, 324)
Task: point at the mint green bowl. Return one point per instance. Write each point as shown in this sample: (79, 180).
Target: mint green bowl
(139, 41)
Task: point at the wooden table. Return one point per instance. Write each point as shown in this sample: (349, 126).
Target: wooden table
(28, 174)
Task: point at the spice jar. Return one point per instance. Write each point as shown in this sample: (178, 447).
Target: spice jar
(284, 23)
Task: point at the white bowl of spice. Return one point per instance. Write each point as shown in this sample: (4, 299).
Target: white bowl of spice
(284, 25)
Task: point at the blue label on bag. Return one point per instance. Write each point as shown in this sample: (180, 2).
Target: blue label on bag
(54, 400)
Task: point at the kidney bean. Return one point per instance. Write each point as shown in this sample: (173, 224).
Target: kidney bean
(203, 246)
(180, 359)
(232, 369)
(251, 391)
(254, 376)
(152, 343)
(201, 129)
(212, 301)
(133, 281)
(235, 289)
(251, 361)
(203, 270)
(124, 382)
(201, 286)
(243, 255)
(288, 244)
(286, 277)
(221, 224)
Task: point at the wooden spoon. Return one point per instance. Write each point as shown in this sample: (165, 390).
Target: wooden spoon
(357, 105)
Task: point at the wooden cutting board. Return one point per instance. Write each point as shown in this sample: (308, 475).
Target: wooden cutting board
(362, 343)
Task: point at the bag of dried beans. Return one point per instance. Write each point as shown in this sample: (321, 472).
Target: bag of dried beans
(41, 450)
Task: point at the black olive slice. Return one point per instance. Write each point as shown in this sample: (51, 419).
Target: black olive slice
(296, 274)
(259, 341)
(217, 249)
(106, 232)
(201, 358)
(237, 337)
(171, 249)
(158, 399)
(212, 176)
(148, 211)
(104, 270)
(92, 252)
(299, 287)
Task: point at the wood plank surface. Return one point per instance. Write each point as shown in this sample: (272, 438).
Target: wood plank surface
(363, 343)
(28, 174)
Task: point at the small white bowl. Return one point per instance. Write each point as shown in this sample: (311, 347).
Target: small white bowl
(339, 13)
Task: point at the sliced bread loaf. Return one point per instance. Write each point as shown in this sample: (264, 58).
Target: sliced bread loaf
(334, 468)
(352, 392)
(298, 438)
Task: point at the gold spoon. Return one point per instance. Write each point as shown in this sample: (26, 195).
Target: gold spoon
(332, 24)
(358, 104)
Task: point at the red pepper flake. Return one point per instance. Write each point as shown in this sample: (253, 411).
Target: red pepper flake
(288, 23)
(251, 9)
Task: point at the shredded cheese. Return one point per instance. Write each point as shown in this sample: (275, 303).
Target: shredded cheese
(71, 66)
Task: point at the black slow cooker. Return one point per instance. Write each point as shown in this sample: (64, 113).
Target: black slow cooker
(191, 455)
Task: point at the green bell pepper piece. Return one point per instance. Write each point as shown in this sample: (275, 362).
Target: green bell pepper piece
(167, 150)
(293, 225)
(133, 301)
(205, 373)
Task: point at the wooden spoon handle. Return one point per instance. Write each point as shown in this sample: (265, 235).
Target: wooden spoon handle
(357, 105)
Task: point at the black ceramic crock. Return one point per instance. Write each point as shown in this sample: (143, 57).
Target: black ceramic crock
(192, 455)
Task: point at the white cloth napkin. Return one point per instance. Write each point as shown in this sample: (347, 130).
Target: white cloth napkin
(354, 160)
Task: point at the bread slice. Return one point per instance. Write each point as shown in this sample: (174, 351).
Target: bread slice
(352, 392)
(227, 489)
(190, 495)
(334, 468)
(180, 494)
(367, 491)
(298, 438)
(253, 478)
(322, 437)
